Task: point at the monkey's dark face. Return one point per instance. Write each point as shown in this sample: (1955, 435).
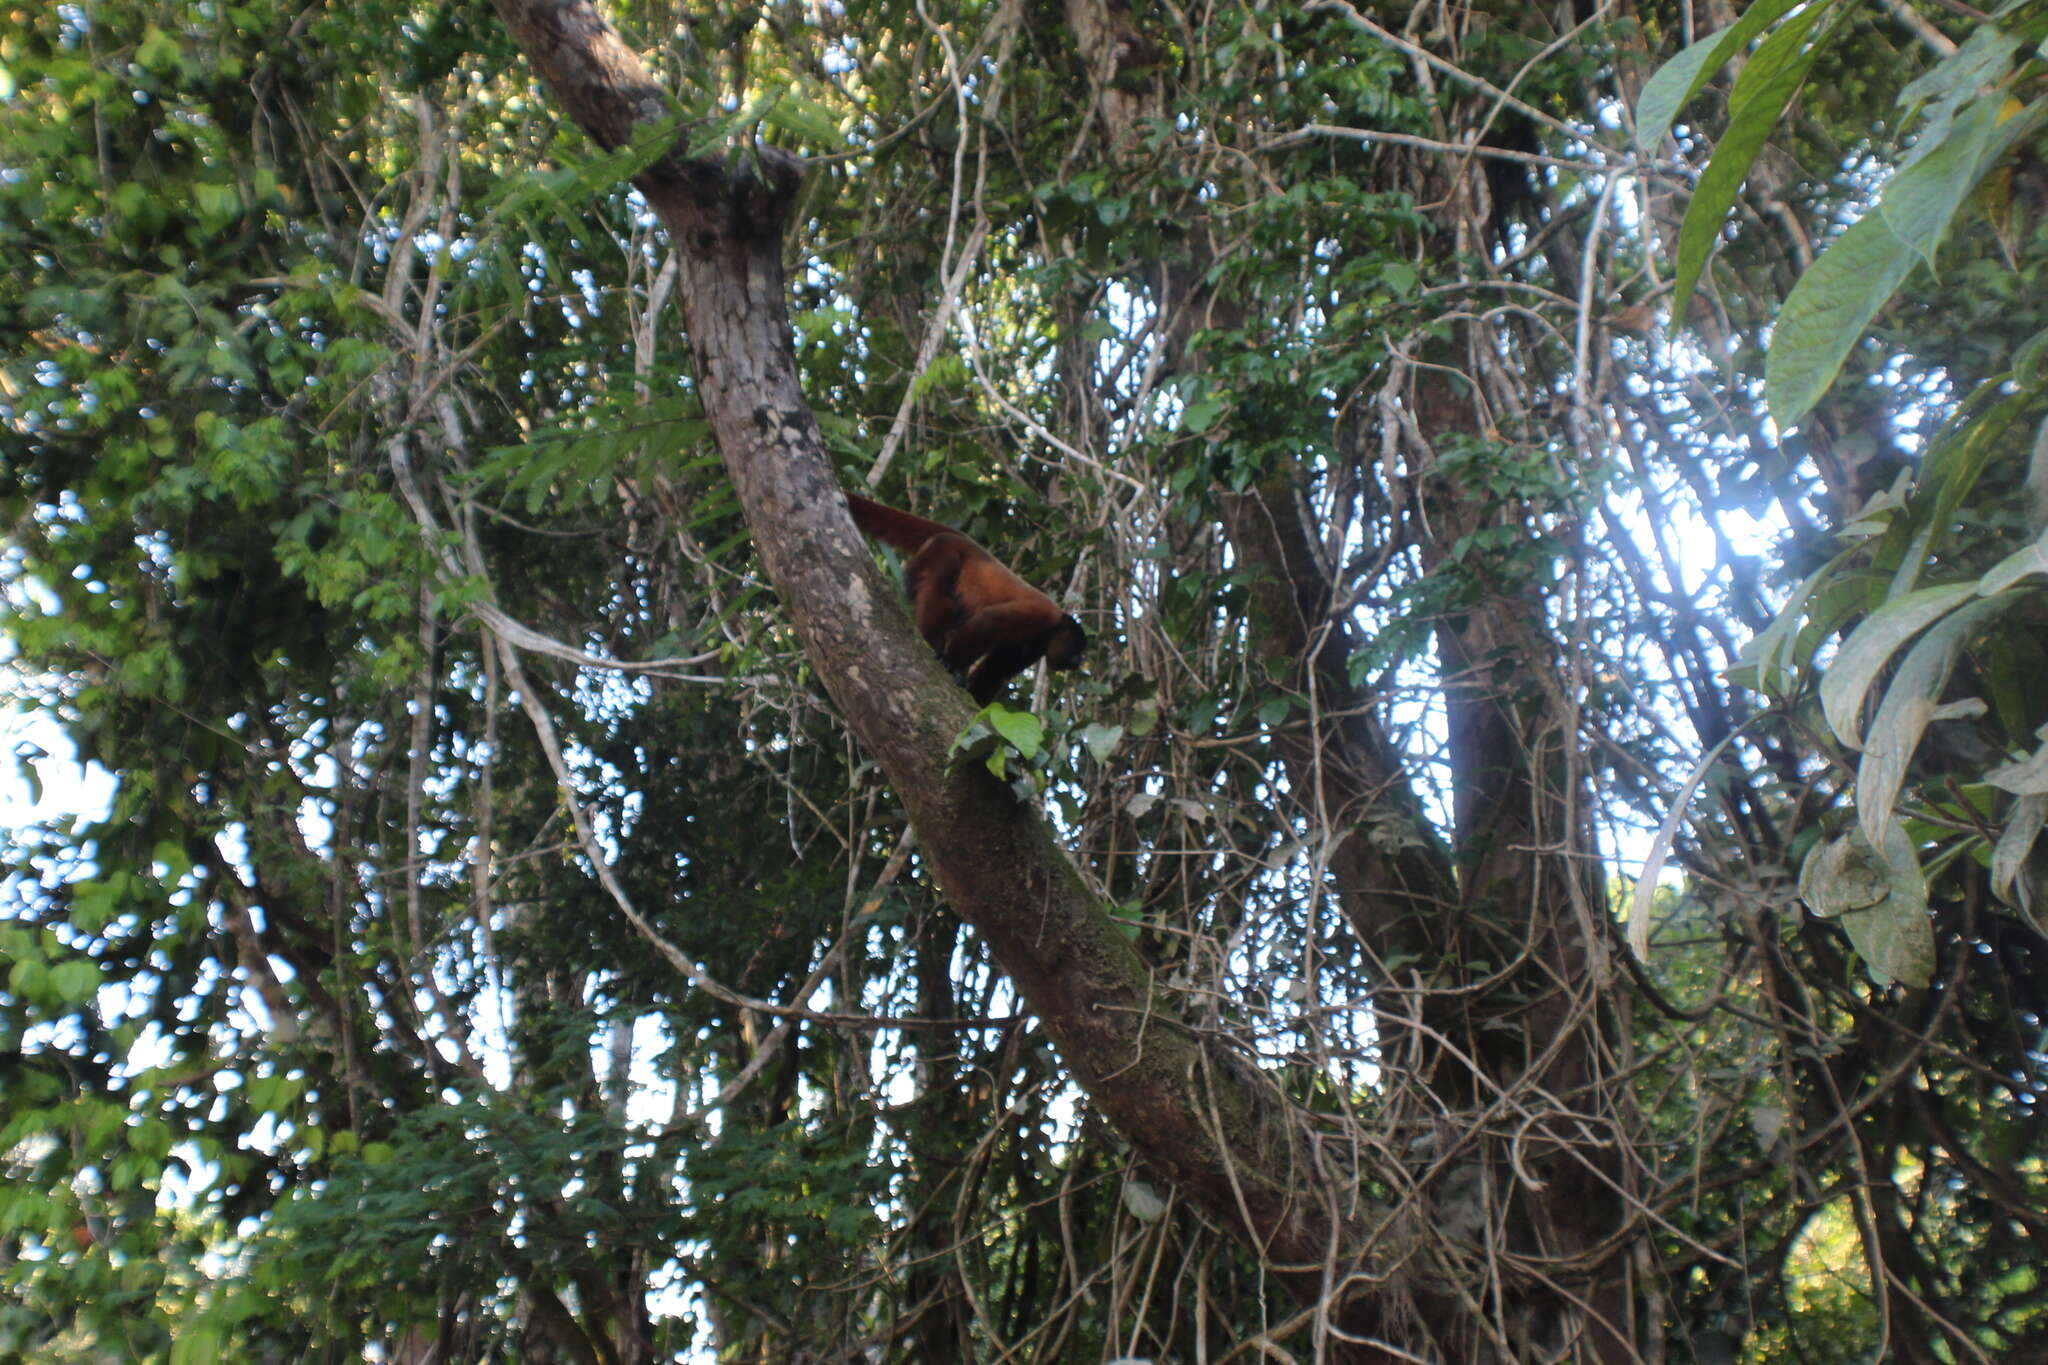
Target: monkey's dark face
(1065, 646)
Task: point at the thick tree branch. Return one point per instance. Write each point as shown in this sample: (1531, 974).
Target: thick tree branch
(1212, 1124)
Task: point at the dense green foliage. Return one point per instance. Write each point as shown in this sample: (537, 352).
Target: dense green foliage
(363, 527)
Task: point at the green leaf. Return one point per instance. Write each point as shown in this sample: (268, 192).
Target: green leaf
(1678, 80)
(1762, 91)
(1771, 651)
(1833, 303)
(1983, 58)
(2028, 777)
(217, 204)
(75, 982)
(1021, 730)
(652, 140)
(197, 1344)
(97, 901)
(272, 1094)
(978, 740)
(1963, 448)
(151, 1137)
(1825, 316)
(1128, 918)
(1102, 740)
(2030, 361)
(171, 854)
(1909, 704)
(1895, 937)
(1872, 645)
(1201, 414)
(158, 50)
(806, 119)
(1879, 899)
(2015, 846)
(29, 979)
(1919, 201)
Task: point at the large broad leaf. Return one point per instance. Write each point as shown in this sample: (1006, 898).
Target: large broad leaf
(1021, 730)
(1828, 310)
(1983, 59)
(1761, 93)
(1849, 677)
(1912, 700)
(1841, 875)
(1679, 79)
(1826, 313)
(1879, 899)
(1919, 201)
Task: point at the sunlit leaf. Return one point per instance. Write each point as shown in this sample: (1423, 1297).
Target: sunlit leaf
(807, 119)
(198, 1344)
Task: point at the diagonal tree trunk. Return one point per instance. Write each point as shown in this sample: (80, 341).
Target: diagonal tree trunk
(1214, 1126)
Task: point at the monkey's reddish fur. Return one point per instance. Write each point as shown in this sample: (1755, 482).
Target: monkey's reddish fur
(987, 624)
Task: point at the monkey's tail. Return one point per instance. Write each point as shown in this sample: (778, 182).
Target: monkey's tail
(897, 529)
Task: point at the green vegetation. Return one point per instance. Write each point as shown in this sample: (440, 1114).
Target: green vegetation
(1494, 451)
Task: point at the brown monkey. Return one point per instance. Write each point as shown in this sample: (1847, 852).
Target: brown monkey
(987, 624)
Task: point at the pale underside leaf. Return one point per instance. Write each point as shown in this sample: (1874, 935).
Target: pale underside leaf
(1910, 702)
(1872, 645)
(1879, 899)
